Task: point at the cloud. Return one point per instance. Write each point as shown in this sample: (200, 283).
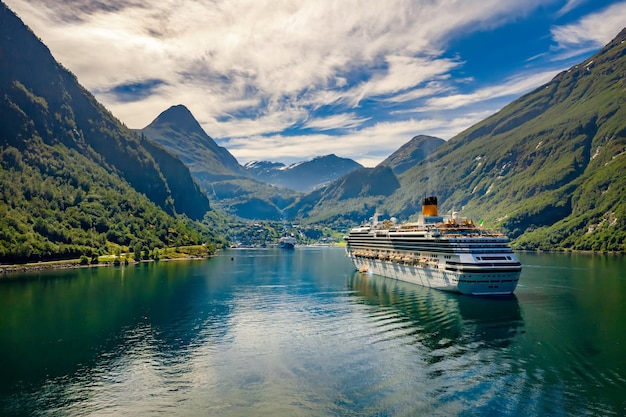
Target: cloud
(271, 122)
(430, 89)
(589, 33)
(368, 146)
(337, 121)
(250, 71)
(403, 73)
(569, 6)
(277, 51)
(513, 87)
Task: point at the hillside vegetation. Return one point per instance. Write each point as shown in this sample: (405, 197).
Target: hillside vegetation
(56, 204)
(548, 169)
(412, 153)
(347, 200)
(73, 179)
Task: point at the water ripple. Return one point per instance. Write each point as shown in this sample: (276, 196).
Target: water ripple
(300, 334)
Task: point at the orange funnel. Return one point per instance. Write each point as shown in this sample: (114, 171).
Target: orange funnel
(429, 206)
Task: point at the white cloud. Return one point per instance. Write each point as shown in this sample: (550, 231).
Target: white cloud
(271, 122)
(368, 146)
(250, 69)
(591, 32)
(337, 121)
(511, 88)
(406, 72)
(431, 89)
(239, 49)
(569, 6)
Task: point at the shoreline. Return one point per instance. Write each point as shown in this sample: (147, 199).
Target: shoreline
(8, 271)
(579, 252)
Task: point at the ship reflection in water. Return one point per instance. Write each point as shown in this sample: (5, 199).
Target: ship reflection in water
(443, 319)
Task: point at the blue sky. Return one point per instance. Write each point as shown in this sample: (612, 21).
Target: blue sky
(287, 80)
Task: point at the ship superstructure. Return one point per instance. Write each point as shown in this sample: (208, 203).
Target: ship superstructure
(444, 252)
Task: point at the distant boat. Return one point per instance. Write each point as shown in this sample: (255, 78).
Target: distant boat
(287, 242)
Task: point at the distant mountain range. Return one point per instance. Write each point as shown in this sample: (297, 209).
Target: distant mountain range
(347, 200)
(303, 176)
(259, 190)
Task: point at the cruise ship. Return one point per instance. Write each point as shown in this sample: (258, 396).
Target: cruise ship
(287, 242)
(448, 253)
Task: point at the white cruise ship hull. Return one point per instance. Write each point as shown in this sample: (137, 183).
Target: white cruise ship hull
(471, 283)
(448, 253)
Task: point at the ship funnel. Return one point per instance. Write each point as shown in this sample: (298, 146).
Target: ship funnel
(429, 206)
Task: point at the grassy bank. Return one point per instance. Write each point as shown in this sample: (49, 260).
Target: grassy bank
(166, 254)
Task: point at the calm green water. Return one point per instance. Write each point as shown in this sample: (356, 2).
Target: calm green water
(269, 332)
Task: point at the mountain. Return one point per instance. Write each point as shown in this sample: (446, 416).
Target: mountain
(303, 176)
(263, 167)
(258, 191)
(179, 132)
(548, 169)
(344, 201)
(73, 179)
(218, 173)
(412, 152)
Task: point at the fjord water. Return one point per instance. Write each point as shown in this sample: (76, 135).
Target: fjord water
(271, 332)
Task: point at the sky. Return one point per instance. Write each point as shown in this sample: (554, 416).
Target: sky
(288, 80)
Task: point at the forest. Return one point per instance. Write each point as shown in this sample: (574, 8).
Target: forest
(57, 204)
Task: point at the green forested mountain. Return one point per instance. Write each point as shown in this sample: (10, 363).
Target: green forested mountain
(73, 179)
(250, 199)
(348, 199)
(229, 185)
(412, 152)
(549, 169)
(58, 204)
(177, 130)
